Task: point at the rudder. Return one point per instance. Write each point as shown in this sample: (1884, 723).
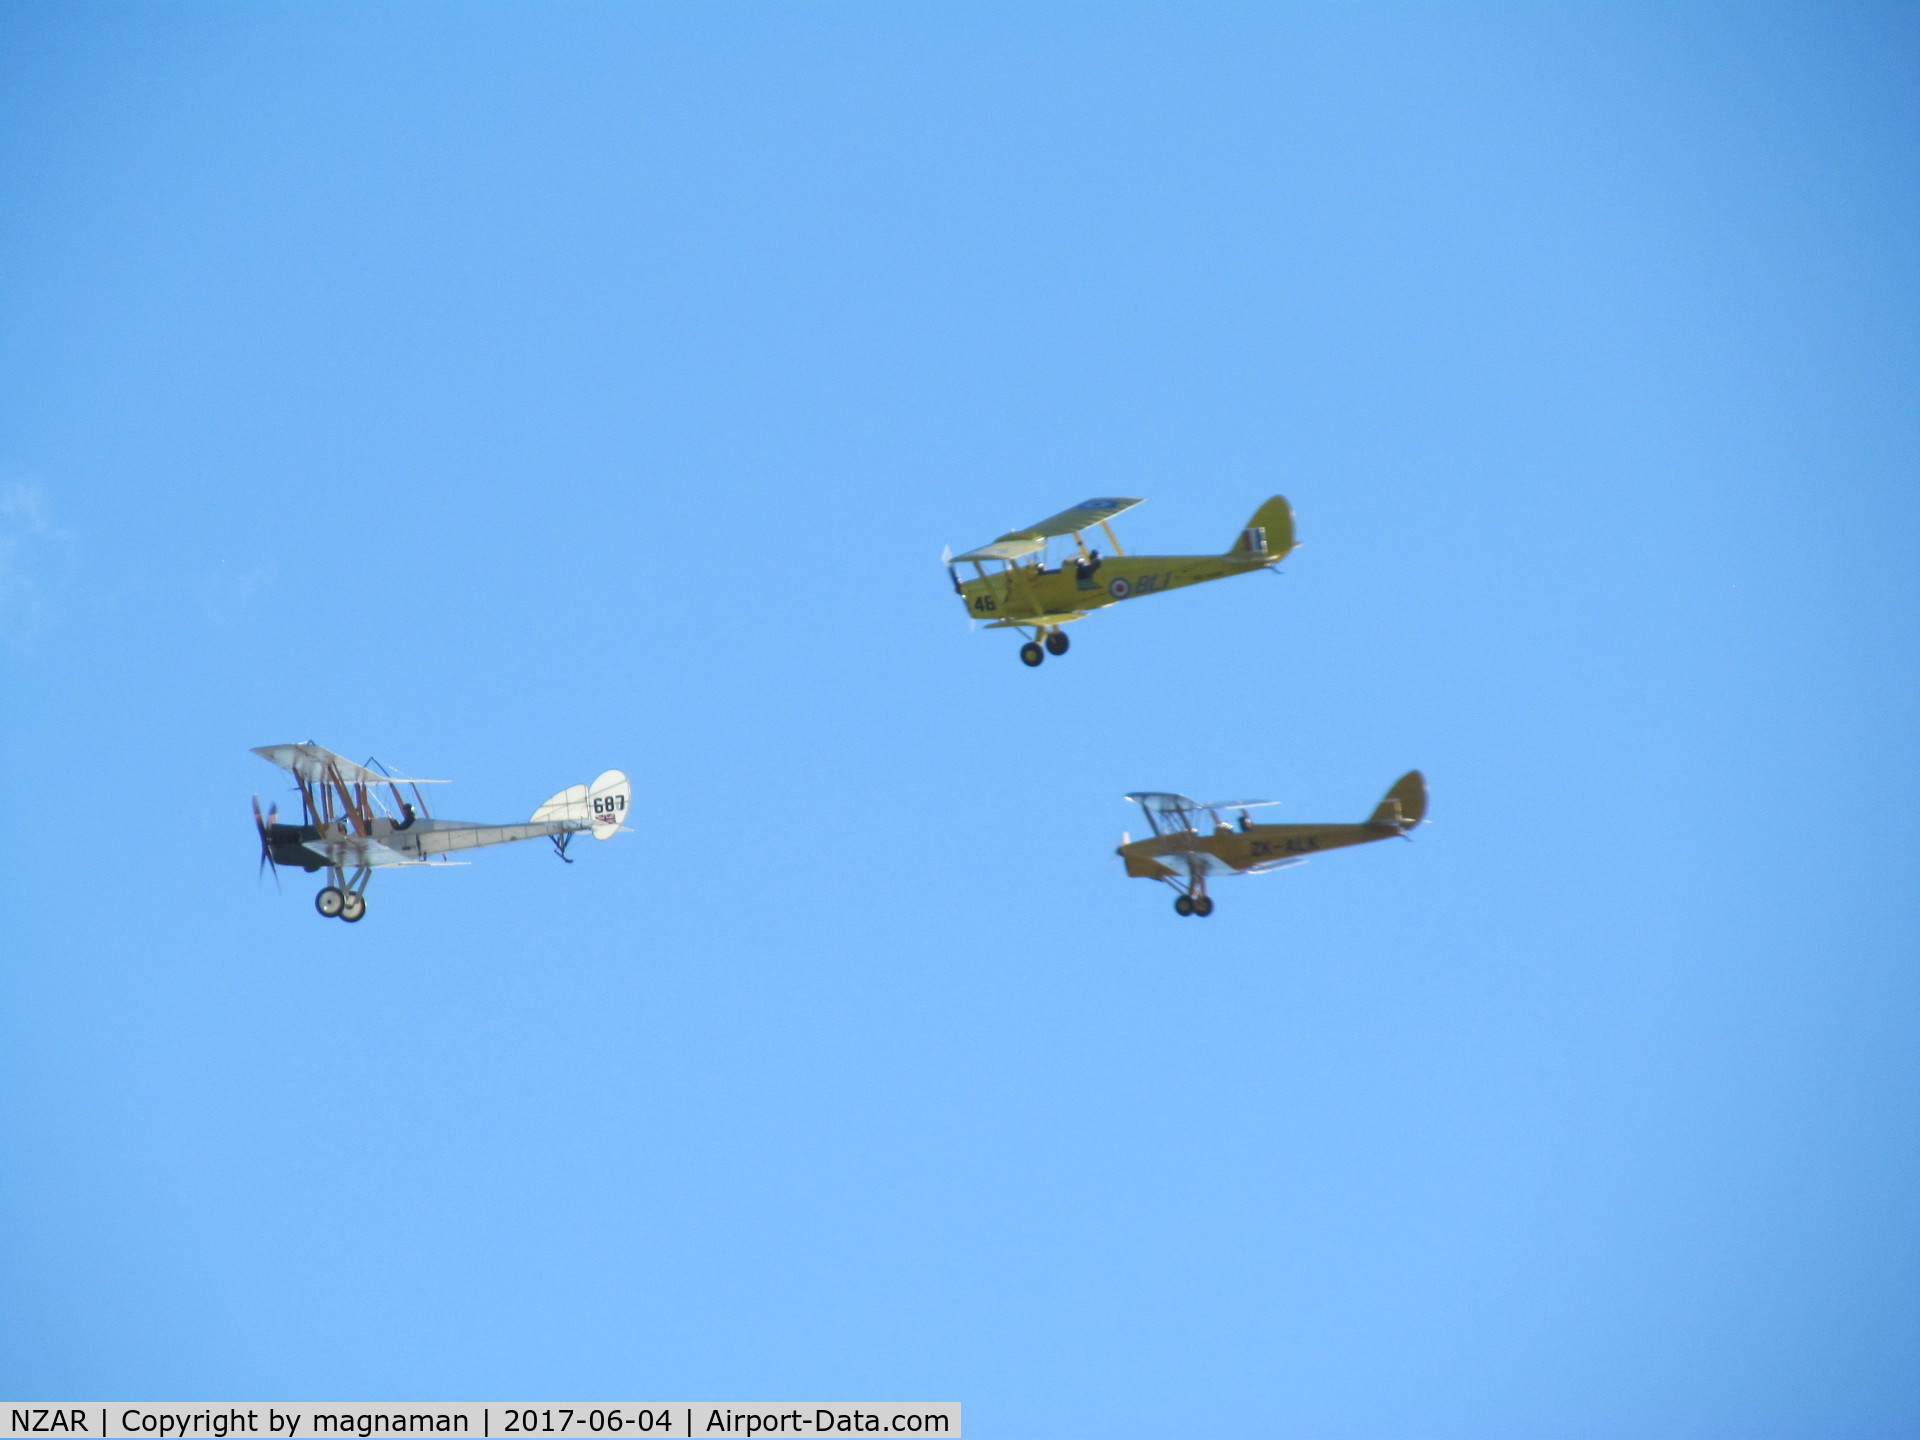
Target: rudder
(1268, 535)
(1405, 805)
(603, 805)
(607, 799)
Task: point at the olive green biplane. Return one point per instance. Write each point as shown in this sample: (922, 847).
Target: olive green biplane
(1183, 851)
(1025, 594)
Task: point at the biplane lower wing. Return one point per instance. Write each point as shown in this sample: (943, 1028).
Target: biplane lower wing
(358, 852)
(1027, 624)
(427, 839)
(1196, 863)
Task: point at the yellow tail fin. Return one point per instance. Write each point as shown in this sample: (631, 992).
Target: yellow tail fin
(1268, 535)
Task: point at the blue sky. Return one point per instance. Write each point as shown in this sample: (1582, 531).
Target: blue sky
(511, 393)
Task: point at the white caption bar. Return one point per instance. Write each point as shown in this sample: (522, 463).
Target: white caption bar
(630, 1420)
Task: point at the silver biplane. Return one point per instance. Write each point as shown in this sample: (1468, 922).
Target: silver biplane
(348, 828)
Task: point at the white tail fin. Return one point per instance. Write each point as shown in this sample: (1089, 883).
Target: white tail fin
(607, 803)
(603, 805)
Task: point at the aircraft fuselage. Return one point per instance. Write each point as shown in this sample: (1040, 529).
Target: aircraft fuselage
(1026, 593)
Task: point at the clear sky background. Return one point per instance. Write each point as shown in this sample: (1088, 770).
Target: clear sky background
(510, 393)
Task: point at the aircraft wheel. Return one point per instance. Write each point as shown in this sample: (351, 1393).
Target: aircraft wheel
(329, 901)
(1057, 643)
(1183, 905)
(1203, 906)
(355, 906)
(1032, 653)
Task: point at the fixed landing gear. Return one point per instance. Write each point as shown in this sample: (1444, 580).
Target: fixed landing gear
(1183, 905)
(1201, 905)
(1055, 640)
(338, 904)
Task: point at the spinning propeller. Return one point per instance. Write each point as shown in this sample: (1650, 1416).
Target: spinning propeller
(266, 843)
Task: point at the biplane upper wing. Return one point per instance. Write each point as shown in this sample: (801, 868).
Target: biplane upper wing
(1162, 802)
(1084, 516)
(1215, 807)
(317, 765)
(1177, 811)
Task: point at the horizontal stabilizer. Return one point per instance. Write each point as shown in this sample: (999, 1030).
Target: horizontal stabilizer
(569, 804)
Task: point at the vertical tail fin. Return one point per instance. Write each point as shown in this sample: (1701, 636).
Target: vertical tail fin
(1268, 535)
(603, 805)
(1405, 805)
(607, 799)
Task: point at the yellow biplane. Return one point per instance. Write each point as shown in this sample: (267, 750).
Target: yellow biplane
(1024, 593)
(1183, 851)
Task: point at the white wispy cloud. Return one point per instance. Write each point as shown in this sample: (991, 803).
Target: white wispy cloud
(36, 560)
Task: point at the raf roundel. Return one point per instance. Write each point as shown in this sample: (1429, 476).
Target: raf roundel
(1120, 589)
